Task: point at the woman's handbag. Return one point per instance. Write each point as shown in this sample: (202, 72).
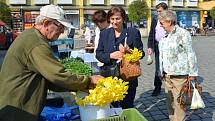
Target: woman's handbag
(186, 93)
(110, 71)
(129, 70)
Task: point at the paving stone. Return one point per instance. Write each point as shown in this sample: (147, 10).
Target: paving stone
(153, 113)
(194, 120)
(205, 115)
(194, 117)
(159, 117)
(167, 119)
(165, 112)
(146, 114)
(207, 119)
(162, 107)
(149, 118)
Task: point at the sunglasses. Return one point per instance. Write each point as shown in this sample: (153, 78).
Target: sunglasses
(161, 23)
(59, 25)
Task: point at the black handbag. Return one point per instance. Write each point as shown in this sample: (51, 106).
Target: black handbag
(107, 71)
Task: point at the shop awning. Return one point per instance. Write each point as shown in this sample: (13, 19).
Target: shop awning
(207, 5)
(2, 23)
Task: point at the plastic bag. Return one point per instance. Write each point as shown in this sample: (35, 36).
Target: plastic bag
(64, 113)
(149, 60)
(197, 101)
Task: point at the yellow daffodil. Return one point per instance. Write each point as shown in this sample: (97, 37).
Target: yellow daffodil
(107, 90)
(134, 56)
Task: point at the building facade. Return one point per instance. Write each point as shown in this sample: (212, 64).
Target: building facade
(79, 12)
(188, 13)
(205, 7)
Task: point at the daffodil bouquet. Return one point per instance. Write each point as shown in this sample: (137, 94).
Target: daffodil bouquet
(133, 55)
(107, 90)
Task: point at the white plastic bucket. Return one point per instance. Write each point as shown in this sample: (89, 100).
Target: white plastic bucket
(90, 112)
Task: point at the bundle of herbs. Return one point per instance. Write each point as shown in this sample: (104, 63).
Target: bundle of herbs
(76, 65)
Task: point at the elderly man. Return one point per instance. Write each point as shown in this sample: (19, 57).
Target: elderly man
(155, 35)
(177, 62)
(30, 69)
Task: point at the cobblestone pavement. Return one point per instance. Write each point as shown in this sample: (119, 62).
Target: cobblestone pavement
(154, 108)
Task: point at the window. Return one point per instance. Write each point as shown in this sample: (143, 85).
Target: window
(97, 2)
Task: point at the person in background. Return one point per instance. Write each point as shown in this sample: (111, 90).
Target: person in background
(70, 35)
(197, 27)
(9, 37)
(89, 47)
(206, 28)
(71, 31)
(100, 19)
(87, 34)
(155, 35)
(177, 62)
(30, 68)
(110, 44)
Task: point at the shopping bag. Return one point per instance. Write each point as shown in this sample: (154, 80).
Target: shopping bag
(129, 70)
(186, 93)
(197, 101)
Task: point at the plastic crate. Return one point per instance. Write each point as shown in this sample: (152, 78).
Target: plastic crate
(131, 114)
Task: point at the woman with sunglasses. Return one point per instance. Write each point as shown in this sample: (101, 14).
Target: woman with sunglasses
(177, 62)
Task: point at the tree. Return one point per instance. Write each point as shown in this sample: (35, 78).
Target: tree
(137, 10)
(212, 12)
(5, 15)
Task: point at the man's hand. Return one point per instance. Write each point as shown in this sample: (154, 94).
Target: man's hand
(149, 51)
(94, 80)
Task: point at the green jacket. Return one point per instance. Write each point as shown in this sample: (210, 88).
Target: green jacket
(29, 70)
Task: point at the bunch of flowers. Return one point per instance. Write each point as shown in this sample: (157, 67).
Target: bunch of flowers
(133, 56)
(107, 90)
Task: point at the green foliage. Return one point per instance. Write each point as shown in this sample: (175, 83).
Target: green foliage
(5, 15)
(212, 12)
(137, 10)
(76, 65)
